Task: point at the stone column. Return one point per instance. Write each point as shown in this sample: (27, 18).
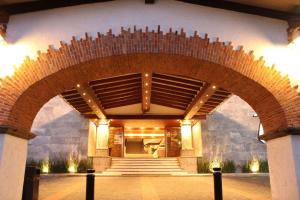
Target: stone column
(102, 138)
(197, 139)
(101, 160)
(13, 154)
(284, 166)
(92, 138)
(187, 159)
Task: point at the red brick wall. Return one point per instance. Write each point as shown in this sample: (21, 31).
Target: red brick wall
(270, 94)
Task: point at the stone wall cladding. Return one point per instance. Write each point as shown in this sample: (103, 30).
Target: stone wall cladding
(61, 132)
(35, 82)
(230, 132)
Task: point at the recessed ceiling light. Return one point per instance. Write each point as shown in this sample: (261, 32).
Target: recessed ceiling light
(78, 85)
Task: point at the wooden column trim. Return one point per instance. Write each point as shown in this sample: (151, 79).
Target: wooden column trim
(203, 95)
(91, 99)
(16, 132)
(146, 91)
(280, 133)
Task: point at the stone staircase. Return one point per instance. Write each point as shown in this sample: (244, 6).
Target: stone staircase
(144, 166)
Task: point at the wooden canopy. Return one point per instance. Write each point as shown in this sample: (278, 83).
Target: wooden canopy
(196, 98)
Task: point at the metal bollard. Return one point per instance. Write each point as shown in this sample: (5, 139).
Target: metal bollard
(90, 184)
(218, 184)
(31, 183)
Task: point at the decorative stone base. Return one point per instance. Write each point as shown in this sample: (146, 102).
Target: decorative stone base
(188, 161)
(189, 164)
(101, 163)
(102, 152)
(187, 153)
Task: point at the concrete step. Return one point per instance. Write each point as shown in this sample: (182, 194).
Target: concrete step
(145, 167)
(143, 160)
(142, 170)
(143, 163)
(143, 173)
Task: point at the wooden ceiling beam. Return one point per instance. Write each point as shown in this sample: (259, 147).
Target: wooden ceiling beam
(119, 89)
(125, 103)
(179, 79)
(168, 105)
(203, 95)
(114, 79)
(171, 92)
(170, 100)
(119, 81)
(116, 86)
(103, 100)
(119, 94)
(146, 91)
(175, 84)
(170, 95)
(74, 101)
(91, 99)
(70, 92)
(180, 99)
(121, 100)
(173, 88)
(72, 96)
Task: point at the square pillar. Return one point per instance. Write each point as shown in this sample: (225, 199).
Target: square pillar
(187, 159)
(197, 139)
(102, 138)
(284, 167)
(101, 160)
(13, 154)
(92, 138)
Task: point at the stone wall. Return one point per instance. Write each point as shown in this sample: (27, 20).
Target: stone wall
(60, 130)
(230, 132)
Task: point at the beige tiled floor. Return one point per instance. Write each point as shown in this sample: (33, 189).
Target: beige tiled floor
(155, 188)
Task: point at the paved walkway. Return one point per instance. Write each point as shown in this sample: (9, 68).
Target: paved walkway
(155, 188)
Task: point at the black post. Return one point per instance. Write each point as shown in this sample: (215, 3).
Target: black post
(218, 184)
(31, 183)
(90, 184)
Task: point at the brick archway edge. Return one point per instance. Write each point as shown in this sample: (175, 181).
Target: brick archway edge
(37, 81)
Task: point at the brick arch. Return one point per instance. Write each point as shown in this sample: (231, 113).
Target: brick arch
(270, 94)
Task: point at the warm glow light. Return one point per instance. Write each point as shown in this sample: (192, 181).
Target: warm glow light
(72, 166)
(78, 85)
(144, 134)
(146, 75)
(214, 87)
(215, 163)
(254, 165)
(12, 56)
(286, 60)
(45, 167)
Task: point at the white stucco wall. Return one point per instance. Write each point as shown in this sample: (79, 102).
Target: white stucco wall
(13, 152)
(266, 36)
